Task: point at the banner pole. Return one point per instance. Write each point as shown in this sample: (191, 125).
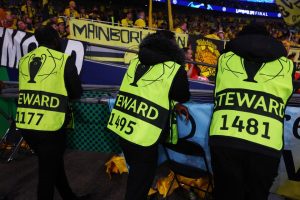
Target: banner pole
(170, 17)
(150, 14)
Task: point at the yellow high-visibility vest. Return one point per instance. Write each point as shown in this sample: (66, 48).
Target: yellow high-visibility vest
(43, 98)
(251, 108)
(142, 106)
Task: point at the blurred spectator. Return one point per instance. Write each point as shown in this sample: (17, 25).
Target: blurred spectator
(94, 15)
(182, 28)
(2, 16)
(163, 25)
(82, 13)
(61, 28)
(127, 21)
(71, 10)
(221, 35)
(68, 32)
(109, 16)
(21, 26)
(140, 22)
(214, 34)
(27, 9)
(192, 70)
(215, 25)
(53, 25)
(9, 22)
(48, 10)
(51, 20)
(29, 24)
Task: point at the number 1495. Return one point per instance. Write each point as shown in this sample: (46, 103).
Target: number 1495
(122, 123)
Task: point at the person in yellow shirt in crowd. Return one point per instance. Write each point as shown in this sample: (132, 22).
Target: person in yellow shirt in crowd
(52, 20)
(182, 28)
(71, 10)
(61, 29)
(216, 35)
(28, 9)
(127, 21)
(140, 22)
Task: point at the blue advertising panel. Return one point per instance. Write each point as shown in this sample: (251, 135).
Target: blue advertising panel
(203, 6)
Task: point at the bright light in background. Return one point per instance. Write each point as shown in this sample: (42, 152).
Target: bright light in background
(260, 1)
(198, 5)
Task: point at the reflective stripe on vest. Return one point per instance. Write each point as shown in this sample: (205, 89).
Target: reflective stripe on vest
(42, 102)
(142, 106)
(252, 108)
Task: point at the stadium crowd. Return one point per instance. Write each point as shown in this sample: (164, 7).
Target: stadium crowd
(28, 15)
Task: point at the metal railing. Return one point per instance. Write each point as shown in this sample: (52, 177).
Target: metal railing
(136, 52)
(11, 91)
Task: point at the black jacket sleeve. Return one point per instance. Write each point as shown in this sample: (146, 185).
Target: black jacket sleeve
(180, 88)
(72, 81)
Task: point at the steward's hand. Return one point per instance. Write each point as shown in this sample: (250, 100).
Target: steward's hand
(181, 109)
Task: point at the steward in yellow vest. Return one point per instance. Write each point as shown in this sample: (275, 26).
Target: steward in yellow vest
(253, 85)
(140, 116)
(40, 100)
(48, 78)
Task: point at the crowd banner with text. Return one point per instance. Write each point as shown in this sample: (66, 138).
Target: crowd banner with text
(15, 44)
(109, 35)
(290, 10)
(206, 50)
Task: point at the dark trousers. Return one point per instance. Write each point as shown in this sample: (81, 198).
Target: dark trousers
(242, 175)
(142, 163)
(50, 148)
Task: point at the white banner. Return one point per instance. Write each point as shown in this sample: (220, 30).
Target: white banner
(15, 44)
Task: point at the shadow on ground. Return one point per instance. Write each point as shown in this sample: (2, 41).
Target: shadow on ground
(85, 171)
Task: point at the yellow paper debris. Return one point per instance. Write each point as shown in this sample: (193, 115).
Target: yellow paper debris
(116, 165)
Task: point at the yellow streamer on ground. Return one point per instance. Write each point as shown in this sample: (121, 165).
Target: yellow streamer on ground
(117, 165)
(152, 191)
(290, 189)
(163, 185)
(198, 183)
